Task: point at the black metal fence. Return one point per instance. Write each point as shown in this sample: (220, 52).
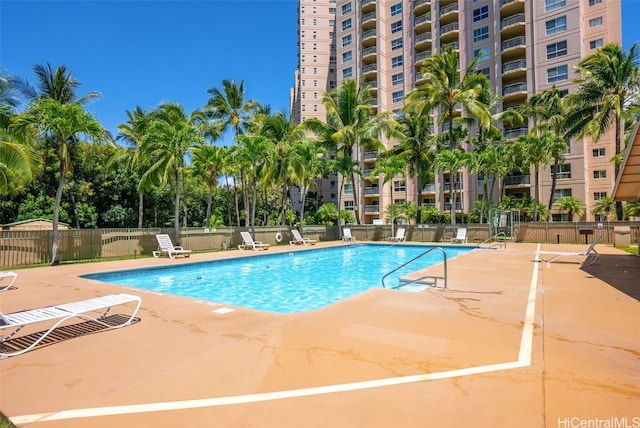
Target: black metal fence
(24, 248)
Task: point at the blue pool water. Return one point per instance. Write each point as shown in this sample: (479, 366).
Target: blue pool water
(283, 282)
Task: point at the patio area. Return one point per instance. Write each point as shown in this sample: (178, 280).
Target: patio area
(511, 342)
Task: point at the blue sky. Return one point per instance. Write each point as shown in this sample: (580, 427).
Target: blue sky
(143, 53)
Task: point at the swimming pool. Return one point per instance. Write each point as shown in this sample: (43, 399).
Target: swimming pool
(283, 282)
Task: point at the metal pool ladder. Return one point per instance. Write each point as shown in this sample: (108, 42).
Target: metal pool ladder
(421, 280)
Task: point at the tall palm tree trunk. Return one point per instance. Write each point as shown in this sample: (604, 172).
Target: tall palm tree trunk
(140, 209)
(176, 208)
(55, 255)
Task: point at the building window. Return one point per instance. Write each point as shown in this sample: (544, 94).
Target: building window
(396, 9)
(315, 58)
(557, 74)
(397, 79)
(347, 40)
(599, 153)
(315, 70)
(304, 82)
(315, 83)
(599, 195)
(595, 22)
(396, 27)
(483, 52)
(601, 173)
(397, 97)
(315, 10)
(556, 26)
(332, 11)
(315, 21)
(347, 72)
(595, 44)
(315, 46)
(480, 34)
(304, 95)
(396, 44)
(560, 193)
(563, 171)
(486, 71)
(346, 8)
(594, 2)
(315, 95)
(347, 56)
(556, 50)
(348, 205)
(315, 107)
(396, 61)
(346, 24)
(315, 34)
(480, 13)
(399, 186)
(550, 5)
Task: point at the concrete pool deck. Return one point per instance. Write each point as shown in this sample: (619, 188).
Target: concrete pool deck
(510, 343)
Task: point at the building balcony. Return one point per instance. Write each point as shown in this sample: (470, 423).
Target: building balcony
(514, 68)
(447, 186)
(371, 209)
(369, 21)
(517, 180)
(455, 46)
(514, 89)
(370, 69)
(422, 22)
(512, 26)
(423, 39)
(420, 6)
(369, 54)
(367, 5)
(449, 13)
(369, 38)
(458, 207)
(449, 28)
(513, 133)
(429, 188)
(368, 191)
(421, 56)
(511, 7)
(371, 155)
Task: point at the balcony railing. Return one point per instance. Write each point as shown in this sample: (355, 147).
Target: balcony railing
(455, 46)
(515, 133)
(420, 2)
(516, 87)
(372, 208)
(366, 2)
(370, 155)
(422, 18)
(513, 42)
(369, 33)
(369, 16)
(454, 26)
(449, 8)
(371, 190)
(512, 20)
(517, 180)
(371, 50)
(424, 36)
(369, 68)
(514, 65)
(423, 55)
(429, 188)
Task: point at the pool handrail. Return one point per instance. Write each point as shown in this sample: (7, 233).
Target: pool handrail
(493, 238)
(444, 254)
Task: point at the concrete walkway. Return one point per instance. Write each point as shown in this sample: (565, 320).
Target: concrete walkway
(511, 342)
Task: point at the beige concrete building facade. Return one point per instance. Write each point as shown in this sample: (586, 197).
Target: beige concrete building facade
(527, 46)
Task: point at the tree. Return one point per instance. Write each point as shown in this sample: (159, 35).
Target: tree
(209, 163)
(608, 90)
(447, 90)
(253, 154)
(605, 206)
(171, 135)
(572, 205)
(351, 125)
(65, 125)
(389, 167)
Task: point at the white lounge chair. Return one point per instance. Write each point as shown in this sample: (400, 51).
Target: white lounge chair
(399, 235)
(165, 246)
(299, 240)
(347, 236)
(249, 243)
(461, 236)
(7, 279)
(16, 321)
(590, 254)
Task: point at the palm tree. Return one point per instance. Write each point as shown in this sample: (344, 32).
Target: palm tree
(170, 136)
(229, 106)
(208, 163)
(389, 167)
(605, 206)
(351, 125)
(252, 154)
(17, 161)
(417, 148)
(312, 157)
(570, 204)
(65, 125)
(608, 89)
(446, 91)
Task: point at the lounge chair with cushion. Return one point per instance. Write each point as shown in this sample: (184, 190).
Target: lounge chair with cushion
(249, 244)
(94, 310)
(587, 256)
(461, 236)
(347, 236)
(299, 240)
(7, 279)
(399, 235)
(165, 246)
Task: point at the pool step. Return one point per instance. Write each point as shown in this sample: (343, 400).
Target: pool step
(420, 284)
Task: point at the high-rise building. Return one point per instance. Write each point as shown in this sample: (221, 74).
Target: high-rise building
(526, 46)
